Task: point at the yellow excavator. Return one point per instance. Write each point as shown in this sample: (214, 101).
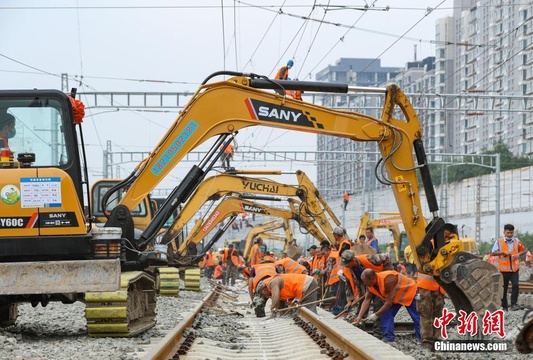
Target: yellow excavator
(392, 223)
(265, 231)
(215, 187)
(228, 209)
(46, 225)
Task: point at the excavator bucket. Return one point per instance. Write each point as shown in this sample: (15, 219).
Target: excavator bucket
(294, 252)
(473, 285)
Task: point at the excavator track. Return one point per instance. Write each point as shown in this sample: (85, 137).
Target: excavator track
(473, 284)
(192, 279)
(123, 313)
(167, 281)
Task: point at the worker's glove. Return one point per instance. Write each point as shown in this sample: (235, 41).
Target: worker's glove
(348, 307)
(295, 301)
(341, 276)
(371, 317)
(316, 272)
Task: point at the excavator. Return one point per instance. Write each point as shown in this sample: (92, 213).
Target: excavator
(265, 232)
(46, 226)
(228, 208)
(392, 223)
(215, 187)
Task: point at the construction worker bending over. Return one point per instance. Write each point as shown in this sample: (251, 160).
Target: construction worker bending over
(397, 291)
(293, 288)
(289, 266)
(256, 274)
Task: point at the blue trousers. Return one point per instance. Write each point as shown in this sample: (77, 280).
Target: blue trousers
(387, 320)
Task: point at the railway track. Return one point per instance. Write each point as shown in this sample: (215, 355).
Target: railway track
(221, 327)
(526, 287)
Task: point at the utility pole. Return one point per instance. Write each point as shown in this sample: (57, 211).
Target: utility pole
(478, 210)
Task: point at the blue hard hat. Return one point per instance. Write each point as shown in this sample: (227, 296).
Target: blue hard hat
(290, 63)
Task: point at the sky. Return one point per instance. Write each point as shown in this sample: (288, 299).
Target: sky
(171, 46)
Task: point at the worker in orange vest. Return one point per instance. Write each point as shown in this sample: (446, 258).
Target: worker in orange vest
(256, 255)
(339, 234)
(232, 262)
(283, 72)
(508, 249)
(352, 268)
(292, 288)
(290, 266)
(346, 199)
(219, 272)
(397, 291)
(209, 263)
(229, 151)
(256, 274)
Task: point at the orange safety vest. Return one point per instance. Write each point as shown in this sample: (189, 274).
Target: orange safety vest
(334, 277)
(318, 263)
(209, 259)
(506, 264)
(346, 196)
(292, 286)
(405, 288)
(229, 149)
(348, 275)
(428, 282)
(367, 264)
(295, 94)
(255, 256)
(219, 270)
(234, 257)
(345, 241)
(262, 271)
(282, 74)
(291, 266)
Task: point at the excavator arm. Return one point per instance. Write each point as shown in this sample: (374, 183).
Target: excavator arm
(255, 231)
(232, 206)
(215, 187)
(225, 107)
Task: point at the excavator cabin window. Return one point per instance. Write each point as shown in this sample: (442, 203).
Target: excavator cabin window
(38, 130)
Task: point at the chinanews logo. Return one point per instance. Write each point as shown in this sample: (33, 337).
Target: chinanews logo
(260, 110)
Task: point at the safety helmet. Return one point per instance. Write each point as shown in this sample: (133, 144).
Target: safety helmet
(290, 63)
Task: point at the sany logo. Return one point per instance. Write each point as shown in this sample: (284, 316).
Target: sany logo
(253, 209)
(260, 110)
(211, 220)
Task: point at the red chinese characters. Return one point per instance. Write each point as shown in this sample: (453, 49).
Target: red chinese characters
(493, 323)
(443, 321)
(467, 324)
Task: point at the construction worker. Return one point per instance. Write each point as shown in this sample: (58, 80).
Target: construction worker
(289, 266)
(294, 288)
(431, 299)
(371, 240)
(339, 234)
(7, 128)
(346, 199)
(255, 274)
(509, 249)
(209, 263)
(232, 263)
(394, 257)
(283, 72)
(397, 291)
(219, 272)
(229, 151)
(256, 255)
(353, 267)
